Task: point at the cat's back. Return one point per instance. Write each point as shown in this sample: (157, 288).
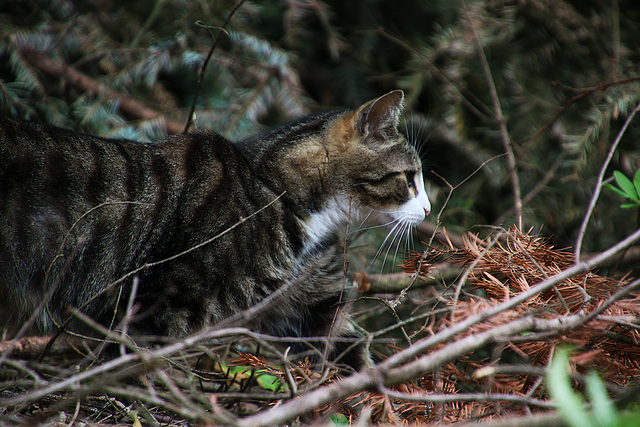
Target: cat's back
(78, 212)
(49, 160)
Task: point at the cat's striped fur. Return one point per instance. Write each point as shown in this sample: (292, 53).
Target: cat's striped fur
(77, 213)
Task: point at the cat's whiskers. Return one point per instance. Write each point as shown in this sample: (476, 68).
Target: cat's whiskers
(414, 132)
(377, 256)
(399, 232)
(398, 237)
(360, 228)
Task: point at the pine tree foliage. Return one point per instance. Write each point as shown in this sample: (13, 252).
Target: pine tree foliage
(540, 57)
(153, 60)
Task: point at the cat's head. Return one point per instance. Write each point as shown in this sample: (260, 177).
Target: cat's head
(374, 165)
(344, 165)
(373, 171)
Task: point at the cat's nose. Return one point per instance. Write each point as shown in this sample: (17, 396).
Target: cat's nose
(427, 211)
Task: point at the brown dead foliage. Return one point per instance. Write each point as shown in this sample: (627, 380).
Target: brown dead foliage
(503, 268)
(500, 267)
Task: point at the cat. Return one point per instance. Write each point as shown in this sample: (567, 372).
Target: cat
(81, 216)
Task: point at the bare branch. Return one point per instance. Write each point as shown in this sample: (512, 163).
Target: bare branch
(130, 106)
(467, 397)
(501, 121)
(598, 187)
(204, 66)
(400, 367)
(386, 374)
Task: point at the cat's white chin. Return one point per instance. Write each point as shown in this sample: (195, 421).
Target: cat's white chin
(333, 215)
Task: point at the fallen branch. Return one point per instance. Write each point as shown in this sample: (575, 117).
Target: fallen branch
(402, 367)
(386, 374)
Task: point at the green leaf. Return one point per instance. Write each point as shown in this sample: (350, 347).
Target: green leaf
(339, 419)
(616, 190)
(602, 407)
(629, 205)
(569, 403)
(629, 419)
(636, 181)
(270, 382)
(626, 185)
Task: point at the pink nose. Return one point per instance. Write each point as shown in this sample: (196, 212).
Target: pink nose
(427, 212)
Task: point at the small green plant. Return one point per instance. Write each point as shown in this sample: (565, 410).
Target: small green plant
(600, 410)
(243, 374)
(339, 420)
(626, 189)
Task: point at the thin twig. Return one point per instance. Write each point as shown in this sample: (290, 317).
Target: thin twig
(293, 387)
(538, 267)
(204, 66)
(500, 119)
(467, 397)
(539, 371)
(128, 312)
(452, 189)
(345, 268)
(385, 374)
(583, 94)
(410, 320)
(464, 94)
(459, 327)
(43, 304)
(467, 272)
(393, 371)
(541, 185)
(117, 368)
(146, 266)
(598, 187)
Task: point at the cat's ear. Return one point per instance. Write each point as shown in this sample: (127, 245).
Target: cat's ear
(381, 113)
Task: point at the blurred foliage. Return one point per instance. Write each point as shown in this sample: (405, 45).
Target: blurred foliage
(603, 412)
(283, 58)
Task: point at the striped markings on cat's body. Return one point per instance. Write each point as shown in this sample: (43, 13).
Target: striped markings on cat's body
(77, 213)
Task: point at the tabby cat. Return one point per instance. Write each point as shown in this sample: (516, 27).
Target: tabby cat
(80, 216)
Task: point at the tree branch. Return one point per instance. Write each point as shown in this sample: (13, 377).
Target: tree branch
(70, 75)
(598, 188)
(204, 66)
(502, 122)
(385, 374)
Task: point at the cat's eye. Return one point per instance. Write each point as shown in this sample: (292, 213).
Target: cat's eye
(384, 178)
(410, 176)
